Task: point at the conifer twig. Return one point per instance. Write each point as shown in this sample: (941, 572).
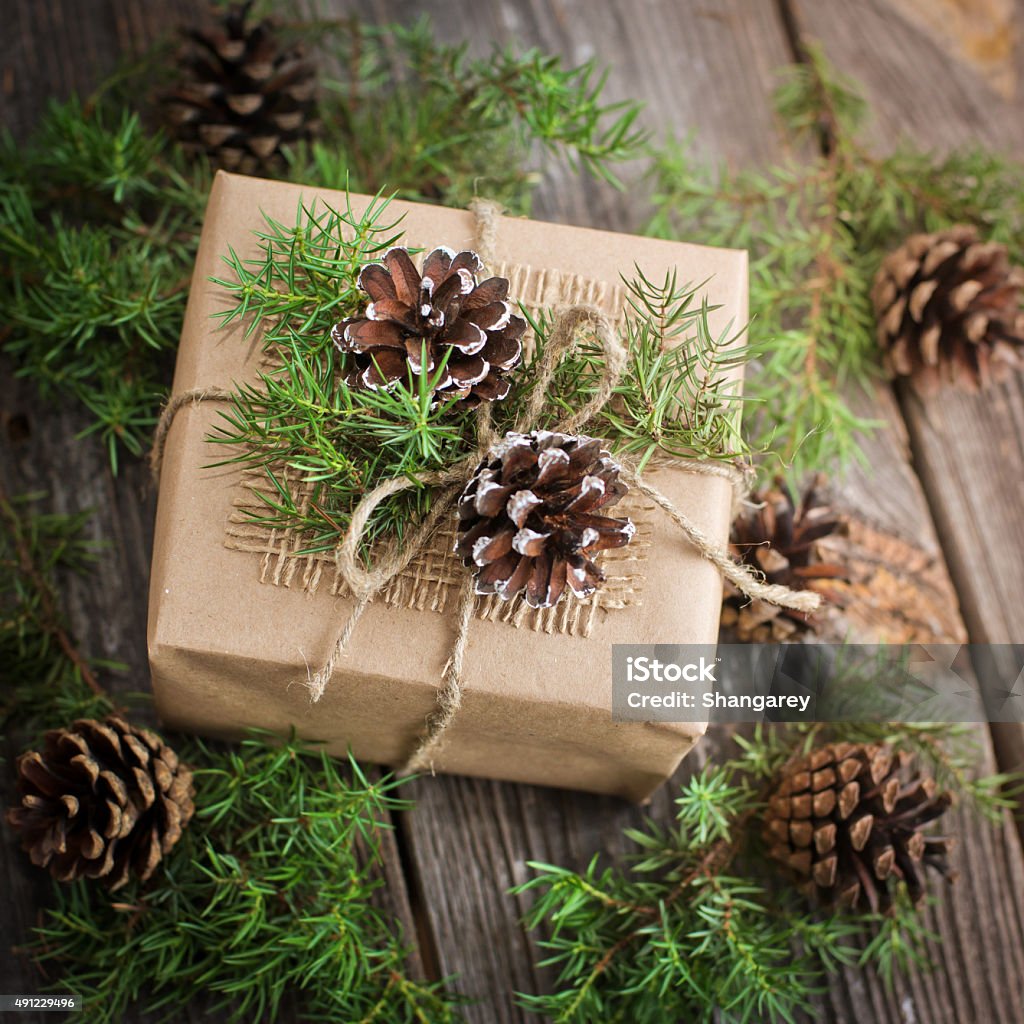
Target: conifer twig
(50, 620)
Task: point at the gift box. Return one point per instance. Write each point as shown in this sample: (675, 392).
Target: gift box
(239, 618)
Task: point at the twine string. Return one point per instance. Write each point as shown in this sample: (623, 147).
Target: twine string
(193, 396)
(449, 695)
(486, 216)
(561, 341)
(366, 584)
(739, 575)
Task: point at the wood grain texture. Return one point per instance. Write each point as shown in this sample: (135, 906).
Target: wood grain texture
(702, 68)
(919, 85)
(900, 590)
(470, 840)
(63, 47)
(51, 49)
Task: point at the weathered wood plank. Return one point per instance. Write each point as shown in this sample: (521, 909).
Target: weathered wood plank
(470, 840)
(968, 449)
(51, 50)
(920, 84)
(700, 67)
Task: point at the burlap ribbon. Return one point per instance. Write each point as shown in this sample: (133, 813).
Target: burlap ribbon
(367, 582)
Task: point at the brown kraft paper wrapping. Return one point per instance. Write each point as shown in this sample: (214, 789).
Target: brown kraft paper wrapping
(228, 652)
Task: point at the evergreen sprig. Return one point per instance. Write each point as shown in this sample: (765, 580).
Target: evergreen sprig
(693, 929)
(45, 679)
(99, 221)
(267, 902)
(299, 419)
(415, 116)
(273, 897)
(680, 393)
(817, 227)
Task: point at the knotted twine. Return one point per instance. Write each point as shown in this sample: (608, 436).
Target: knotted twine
(367, 582)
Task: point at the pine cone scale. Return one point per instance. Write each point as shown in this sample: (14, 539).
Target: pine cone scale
(529, 522)
(781, 539)
(243, 95)
(417, 321)
(824, 837)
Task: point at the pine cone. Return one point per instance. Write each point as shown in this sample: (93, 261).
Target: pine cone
(443, 313)
(949, 309)
(780, 539)
(102, 800)
(242, 94)
(847, 820)
(529, 518)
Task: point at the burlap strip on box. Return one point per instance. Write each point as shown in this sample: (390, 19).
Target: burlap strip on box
(432, 578)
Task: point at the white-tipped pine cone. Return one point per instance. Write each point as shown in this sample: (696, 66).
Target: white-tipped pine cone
(418, 321)
(530, 519)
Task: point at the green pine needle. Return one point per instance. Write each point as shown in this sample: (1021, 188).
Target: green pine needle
(100, 215)
(696, 928)
(268, 902)
(272, 899)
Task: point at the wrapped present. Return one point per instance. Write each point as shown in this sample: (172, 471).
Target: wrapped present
(242, 615)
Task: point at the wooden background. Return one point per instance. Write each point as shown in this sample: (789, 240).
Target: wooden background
(945, 484)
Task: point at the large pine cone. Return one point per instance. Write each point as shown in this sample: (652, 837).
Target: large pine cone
(101, 800)
(847, 820)
(242, 95)
(441, 312)
(949, 310)
(529, 518)
(780, 539)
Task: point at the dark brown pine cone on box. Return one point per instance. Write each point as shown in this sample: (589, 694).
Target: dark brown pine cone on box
(780, 538)
(531, 518)
(439, 322)
(101, 800)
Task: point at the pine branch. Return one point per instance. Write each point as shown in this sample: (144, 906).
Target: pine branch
(419, 117)
(268, 900)
(696, 929)
(47, 678)
(99, 231)
(817, 228)
(300, 420)
(272, 897)
(48, 620)
(99, 215)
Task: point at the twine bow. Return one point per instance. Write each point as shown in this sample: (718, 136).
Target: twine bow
(366, 583)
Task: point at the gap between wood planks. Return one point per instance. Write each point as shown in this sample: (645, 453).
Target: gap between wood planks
(1006, 736)
(426, 955)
